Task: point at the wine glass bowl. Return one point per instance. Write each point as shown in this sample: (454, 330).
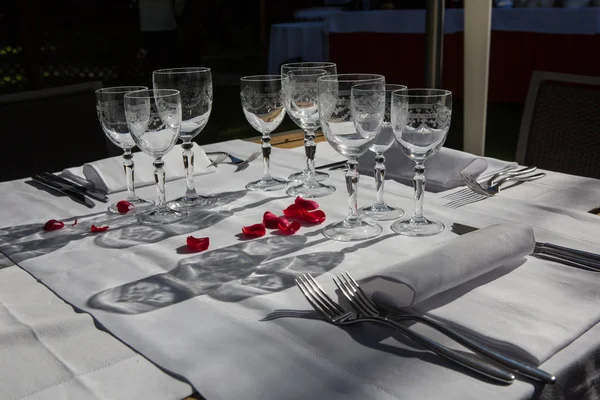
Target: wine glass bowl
(310, 148)
(154, 119)
(110, 108)
(300, 96)
(262, 102)
(351, 110)
(379, 210)
(196, 91)
(420, 120)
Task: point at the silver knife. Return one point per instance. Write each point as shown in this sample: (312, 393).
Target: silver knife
(72, 194)
(94, 194)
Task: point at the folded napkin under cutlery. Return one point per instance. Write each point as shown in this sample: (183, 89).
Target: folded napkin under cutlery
(483, 284)
(107, 175)
(443, 170)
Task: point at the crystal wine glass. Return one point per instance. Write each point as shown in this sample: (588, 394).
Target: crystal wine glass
(154, 119)
(195, 86)
(111, 114)
(309, 144)
(262, 102)
(300, 96)
(351, 109)
(380, 210)
(420, 120)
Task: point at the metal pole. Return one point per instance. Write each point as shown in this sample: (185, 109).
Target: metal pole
(434, 43)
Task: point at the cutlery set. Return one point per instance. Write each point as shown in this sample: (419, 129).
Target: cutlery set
(486, 362)
(241, 164)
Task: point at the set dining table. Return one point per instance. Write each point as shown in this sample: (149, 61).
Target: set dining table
(132, 313)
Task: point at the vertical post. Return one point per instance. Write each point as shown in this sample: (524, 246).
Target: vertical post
(478, 21)
(434, 43)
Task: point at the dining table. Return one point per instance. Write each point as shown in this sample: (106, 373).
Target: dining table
(134, 313)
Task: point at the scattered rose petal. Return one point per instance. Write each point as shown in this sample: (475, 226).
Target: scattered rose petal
(314, 217)
(305, 204)
(197, 244)
(124, 207)
(288, 227)
(53, 225)
(74, 223)
(270, 220)
(293, 211)
(97, 229)
(256, 230)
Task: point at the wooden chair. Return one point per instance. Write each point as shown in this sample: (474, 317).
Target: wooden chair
(49, 130)
(560, 128)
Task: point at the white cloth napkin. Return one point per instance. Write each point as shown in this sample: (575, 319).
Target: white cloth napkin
(107, 175)
(451, 264)
(508, 306)
(442, 170)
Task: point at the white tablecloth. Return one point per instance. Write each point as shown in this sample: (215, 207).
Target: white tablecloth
(294, 358)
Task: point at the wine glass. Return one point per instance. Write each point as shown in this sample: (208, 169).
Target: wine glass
(300, 96)
(154, 119)
(351, 109)
(195, 86)
(111, 114)
(420, 120)
(380, 210)
(262, 102)
(309, 144)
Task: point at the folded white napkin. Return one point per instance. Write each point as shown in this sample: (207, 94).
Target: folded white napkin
(451, 264)
(108, 175)
(480, 283)
(442, 170)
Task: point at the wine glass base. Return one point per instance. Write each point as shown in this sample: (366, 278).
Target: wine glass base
(381, 212)
(302, 177)
(139, 204)
(267, 185)
(311, 191)
(359, 229)
(412, 227)
(185, 203)
(162, 216)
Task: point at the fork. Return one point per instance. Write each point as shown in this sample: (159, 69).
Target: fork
(244, 163)
(363, 305)
(220, 158)
(337, 315)
(490, 179)
(484, 192)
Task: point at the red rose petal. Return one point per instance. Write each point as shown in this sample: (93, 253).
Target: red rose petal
(97, 229)
(124, 207)
(53, 225)
(270, 220)
(293, 211)
(314, 217)
(74, 223)
(305, 204)
(256, 230)
(197, 244)
(287, 227)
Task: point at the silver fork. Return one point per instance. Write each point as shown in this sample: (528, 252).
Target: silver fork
(220, 158)
(363, 305)
(337, 315)
(489, 179)
(245, 163)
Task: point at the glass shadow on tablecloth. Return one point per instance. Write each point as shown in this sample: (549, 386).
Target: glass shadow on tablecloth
(229, 274)
(24, 242)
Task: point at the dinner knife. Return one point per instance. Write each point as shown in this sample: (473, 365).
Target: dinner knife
(94, 194)
(72, 194)
(332, 165)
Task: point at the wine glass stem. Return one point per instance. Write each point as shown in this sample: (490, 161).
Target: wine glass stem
(379, 177)
(129, 174)
(266, 150)
(310, 147)
(188, 164)
(159, 178)
(419, 183)
(352, 186)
